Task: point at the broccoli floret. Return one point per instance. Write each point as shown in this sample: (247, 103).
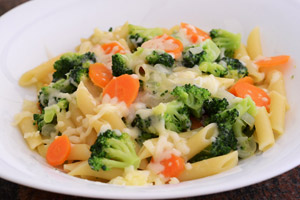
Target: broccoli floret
(48, 94)
(160, 58)
(236, 69)
(119, 65)
(176, 116)
(64, 86)
(226, 40)
(47, 120)
(112, 150)
(71, 68)
(194, 55)
(144, 125)
(137, 35)
(225, 141)
(213, 68)
(193, 97)
(191, 56)
(69, 61)
(211, 50)
(78, 74)
(215, 105)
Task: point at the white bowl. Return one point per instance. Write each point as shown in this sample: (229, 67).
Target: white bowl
(37, 29)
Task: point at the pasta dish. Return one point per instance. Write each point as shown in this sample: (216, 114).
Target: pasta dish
(152, 106)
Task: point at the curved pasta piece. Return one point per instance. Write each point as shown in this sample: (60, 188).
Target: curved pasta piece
(121, 32)
(39, 74)
(79, 152)
(201, 140)
(83, 169)
(85, 47)
(85, 101)
(71, 166)
(263, 130)
(209, 167)
(254, 44)
(63, 123)
(29, 131)
(42, 150)
(276, 83)
(277, 112)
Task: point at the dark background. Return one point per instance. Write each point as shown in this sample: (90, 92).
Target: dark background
(285, 186)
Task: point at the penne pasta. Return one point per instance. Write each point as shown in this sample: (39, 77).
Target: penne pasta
(201, 140)
(263, 133)
(254, 48)
(210, 167)
(277, 112)
(39, 74)
(83, 169)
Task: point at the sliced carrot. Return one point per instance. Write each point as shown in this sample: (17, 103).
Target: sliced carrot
(273, 61)
(167, 43)
(58, 151)
(113, 48)
(173, 166)
(194, 33)
(258, 95)
(100, 74)
(246, 79)
(124, 87)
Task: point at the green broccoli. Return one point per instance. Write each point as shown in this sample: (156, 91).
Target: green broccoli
(71, 68)
(119, 65)
(215, 105)
(78, 74)
(160, 58)
(69, 61)
(211, 50)
(48, 95)
(63, 85)
(195, 55)
(226, 40)
(146, 130)
(192, 56)
(213, 68)
(236, 69)
(113, 150)
(47, 120)
(193, 97)
(137, 35)
(176, 116)
(225, 141)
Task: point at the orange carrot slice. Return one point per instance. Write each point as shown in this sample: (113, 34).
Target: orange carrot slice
(246, 79)
(258, 95)
(174, 166)
(58, 151)
(124, 87)
(194, 33)
(113, 48)
(100, 74)
(167, 43)
(273, 61)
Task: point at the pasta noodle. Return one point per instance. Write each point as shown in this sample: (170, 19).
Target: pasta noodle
(277, 112)
(210, 167)
(152, 106)
(263, 133)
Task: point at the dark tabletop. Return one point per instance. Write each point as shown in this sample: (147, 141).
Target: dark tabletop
(285, 186)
